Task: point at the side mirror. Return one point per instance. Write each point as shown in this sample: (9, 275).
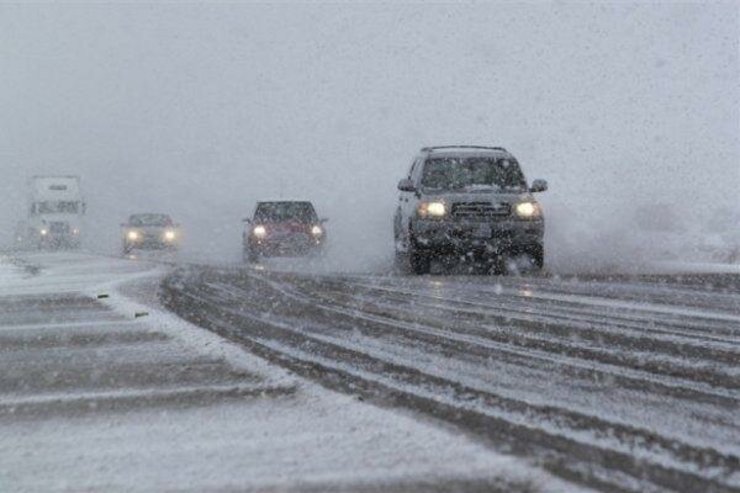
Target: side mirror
(406, 185)
(538, 186)
(247, 220)
(324, 220)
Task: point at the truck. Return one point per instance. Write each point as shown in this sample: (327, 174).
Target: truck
(55, 211)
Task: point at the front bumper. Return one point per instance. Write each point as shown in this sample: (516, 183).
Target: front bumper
(150, 243)
(449, 236)
(288, 246)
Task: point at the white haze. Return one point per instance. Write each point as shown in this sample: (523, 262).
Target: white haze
(199, 110)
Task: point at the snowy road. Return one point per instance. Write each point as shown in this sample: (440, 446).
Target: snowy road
(610, 383)
(102, 390)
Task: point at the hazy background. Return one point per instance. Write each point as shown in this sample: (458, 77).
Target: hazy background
(199, 110)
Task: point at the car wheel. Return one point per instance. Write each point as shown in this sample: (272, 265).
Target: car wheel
(420, 263)
(251, 257)
(538, 256)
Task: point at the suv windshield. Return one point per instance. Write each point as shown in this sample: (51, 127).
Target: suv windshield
(150, 220)
(471, 174)
(275, 212)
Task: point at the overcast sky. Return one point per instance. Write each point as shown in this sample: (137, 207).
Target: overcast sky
(199, 110)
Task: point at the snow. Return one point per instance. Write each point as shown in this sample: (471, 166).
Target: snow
(684, 267)
(302, 437)
(10, 274)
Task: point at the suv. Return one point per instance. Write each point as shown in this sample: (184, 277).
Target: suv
(150, 232)
(471, 202)
(283, 228)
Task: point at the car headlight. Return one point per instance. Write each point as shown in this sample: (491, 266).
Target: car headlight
(259, 231)
(169, 235)
(432, 209)
(43, 232)
(528, 210)
(317, 231)
(132, 235)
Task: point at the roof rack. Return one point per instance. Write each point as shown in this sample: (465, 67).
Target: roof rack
(434, 148)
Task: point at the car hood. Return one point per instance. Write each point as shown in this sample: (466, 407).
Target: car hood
(495, 197)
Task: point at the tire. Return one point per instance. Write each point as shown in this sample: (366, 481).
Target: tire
(420, 263)
(538, 256)
(250, 257)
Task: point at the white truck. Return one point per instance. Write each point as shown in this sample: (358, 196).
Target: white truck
(55, 211)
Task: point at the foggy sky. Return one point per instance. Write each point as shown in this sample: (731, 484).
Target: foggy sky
(199, 110)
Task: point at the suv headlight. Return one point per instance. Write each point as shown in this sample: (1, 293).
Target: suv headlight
(132, 235)
(259, 231)
(432, 209)
(528, 210)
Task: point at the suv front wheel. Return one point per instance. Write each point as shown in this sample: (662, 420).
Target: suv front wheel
(412, 260)
(420, 262)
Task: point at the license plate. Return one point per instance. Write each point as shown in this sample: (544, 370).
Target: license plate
(483, 231)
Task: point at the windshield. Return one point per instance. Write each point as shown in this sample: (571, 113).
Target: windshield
(150, 220)
(273, 212)
(60, 207)
(472, 174)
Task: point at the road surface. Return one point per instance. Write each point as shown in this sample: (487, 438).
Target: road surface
(616, 384)
(102, 390)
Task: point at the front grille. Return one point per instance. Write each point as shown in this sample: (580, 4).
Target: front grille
(57, 228)
(480, 210)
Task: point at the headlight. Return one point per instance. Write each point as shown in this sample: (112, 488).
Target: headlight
(528, 210)
(259, 231)
(432, 209)
(133, 235)
(169, 235)
(317, 231)
(44, 232)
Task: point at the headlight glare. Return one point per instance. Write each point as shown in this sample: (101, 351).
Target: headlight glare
(133, 235)
(259, 231)
(169, 235)
(317, 231)
(432, 209)
(528, 210)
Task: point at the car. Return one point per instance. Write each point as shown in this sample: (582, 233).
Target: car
(283, 228)
(150, 231)
(471, 203)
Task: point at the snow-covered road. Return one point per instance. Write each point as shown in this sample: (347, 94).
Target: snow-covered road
(613, 383)
(101, 390)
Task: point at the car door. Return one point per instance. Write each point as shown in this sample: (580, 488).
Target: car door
(407, 204)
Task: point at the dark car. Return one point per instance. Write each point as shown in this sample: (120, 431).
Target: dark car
(150, 231)
(467, 202)
(283, 228)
